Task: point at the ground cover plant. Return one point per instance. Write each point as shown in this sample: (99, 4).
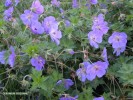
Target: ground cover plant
(66, 49)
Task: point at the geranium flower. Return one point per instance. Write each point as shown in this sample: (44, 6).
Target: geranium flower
(96, 69)
(119, 50)
(48, 23)
(93, 2)
(71, 52)
(38, 62)
(8, 3)
(8, 14)
(37, 7)
(55, 35)
(67, 83)
(36, 27)
(118, 39)
(81, 72)
(75, 4)
(2, 60)
(95, 37)
(67, 23)
(104, 55)
(55, 3)
(101, 26)
(28, 17)
(12, 56)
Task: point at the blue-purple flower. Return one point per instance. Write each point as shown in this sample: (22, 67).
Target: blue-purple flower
(8, 3)
(98, 98)
(100, 24)
(96, 69)
(81, 72)
(71, 52)
(98, 19)
(67, 23)
(67, 83)
(55, 35)
(8, 14)
(95, 37)
(93, 2)
(48, 23)
(2, 56)
(28, 17)
(75, 4)
(104, 55)
(119, 50)
(118, 39)
(38, 62)
(12, 56)
(55, 3)
(36, 27)
(37, 7)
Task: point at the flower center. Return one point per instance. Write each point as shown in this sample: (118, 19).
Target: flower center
(40, 61)
(117, 38)
(83, 70)
(93, 38)
(96, 67)
(98, 27)
(29, 16)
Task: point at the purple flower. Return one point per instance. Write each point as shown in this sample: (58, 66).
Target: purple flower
(119, 50)
(96, 69)
(101, 26)
(16, 2)
(55, 35)
(71, 52)
(95, 37)
(93, 2)
(28, 17)
(99, 19)
(118, 39)
(38, 62)
(37, 7)
(62, 13)
(36, 27)
(8, 3)
(48, 23)
(12, 56)
(67, 83)
(55, 3)
(104, 55)
(67, 23)
(8, 14)
(75, 4)
(81, 72)
(99, 98)
(67, 97)
(2, 60)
